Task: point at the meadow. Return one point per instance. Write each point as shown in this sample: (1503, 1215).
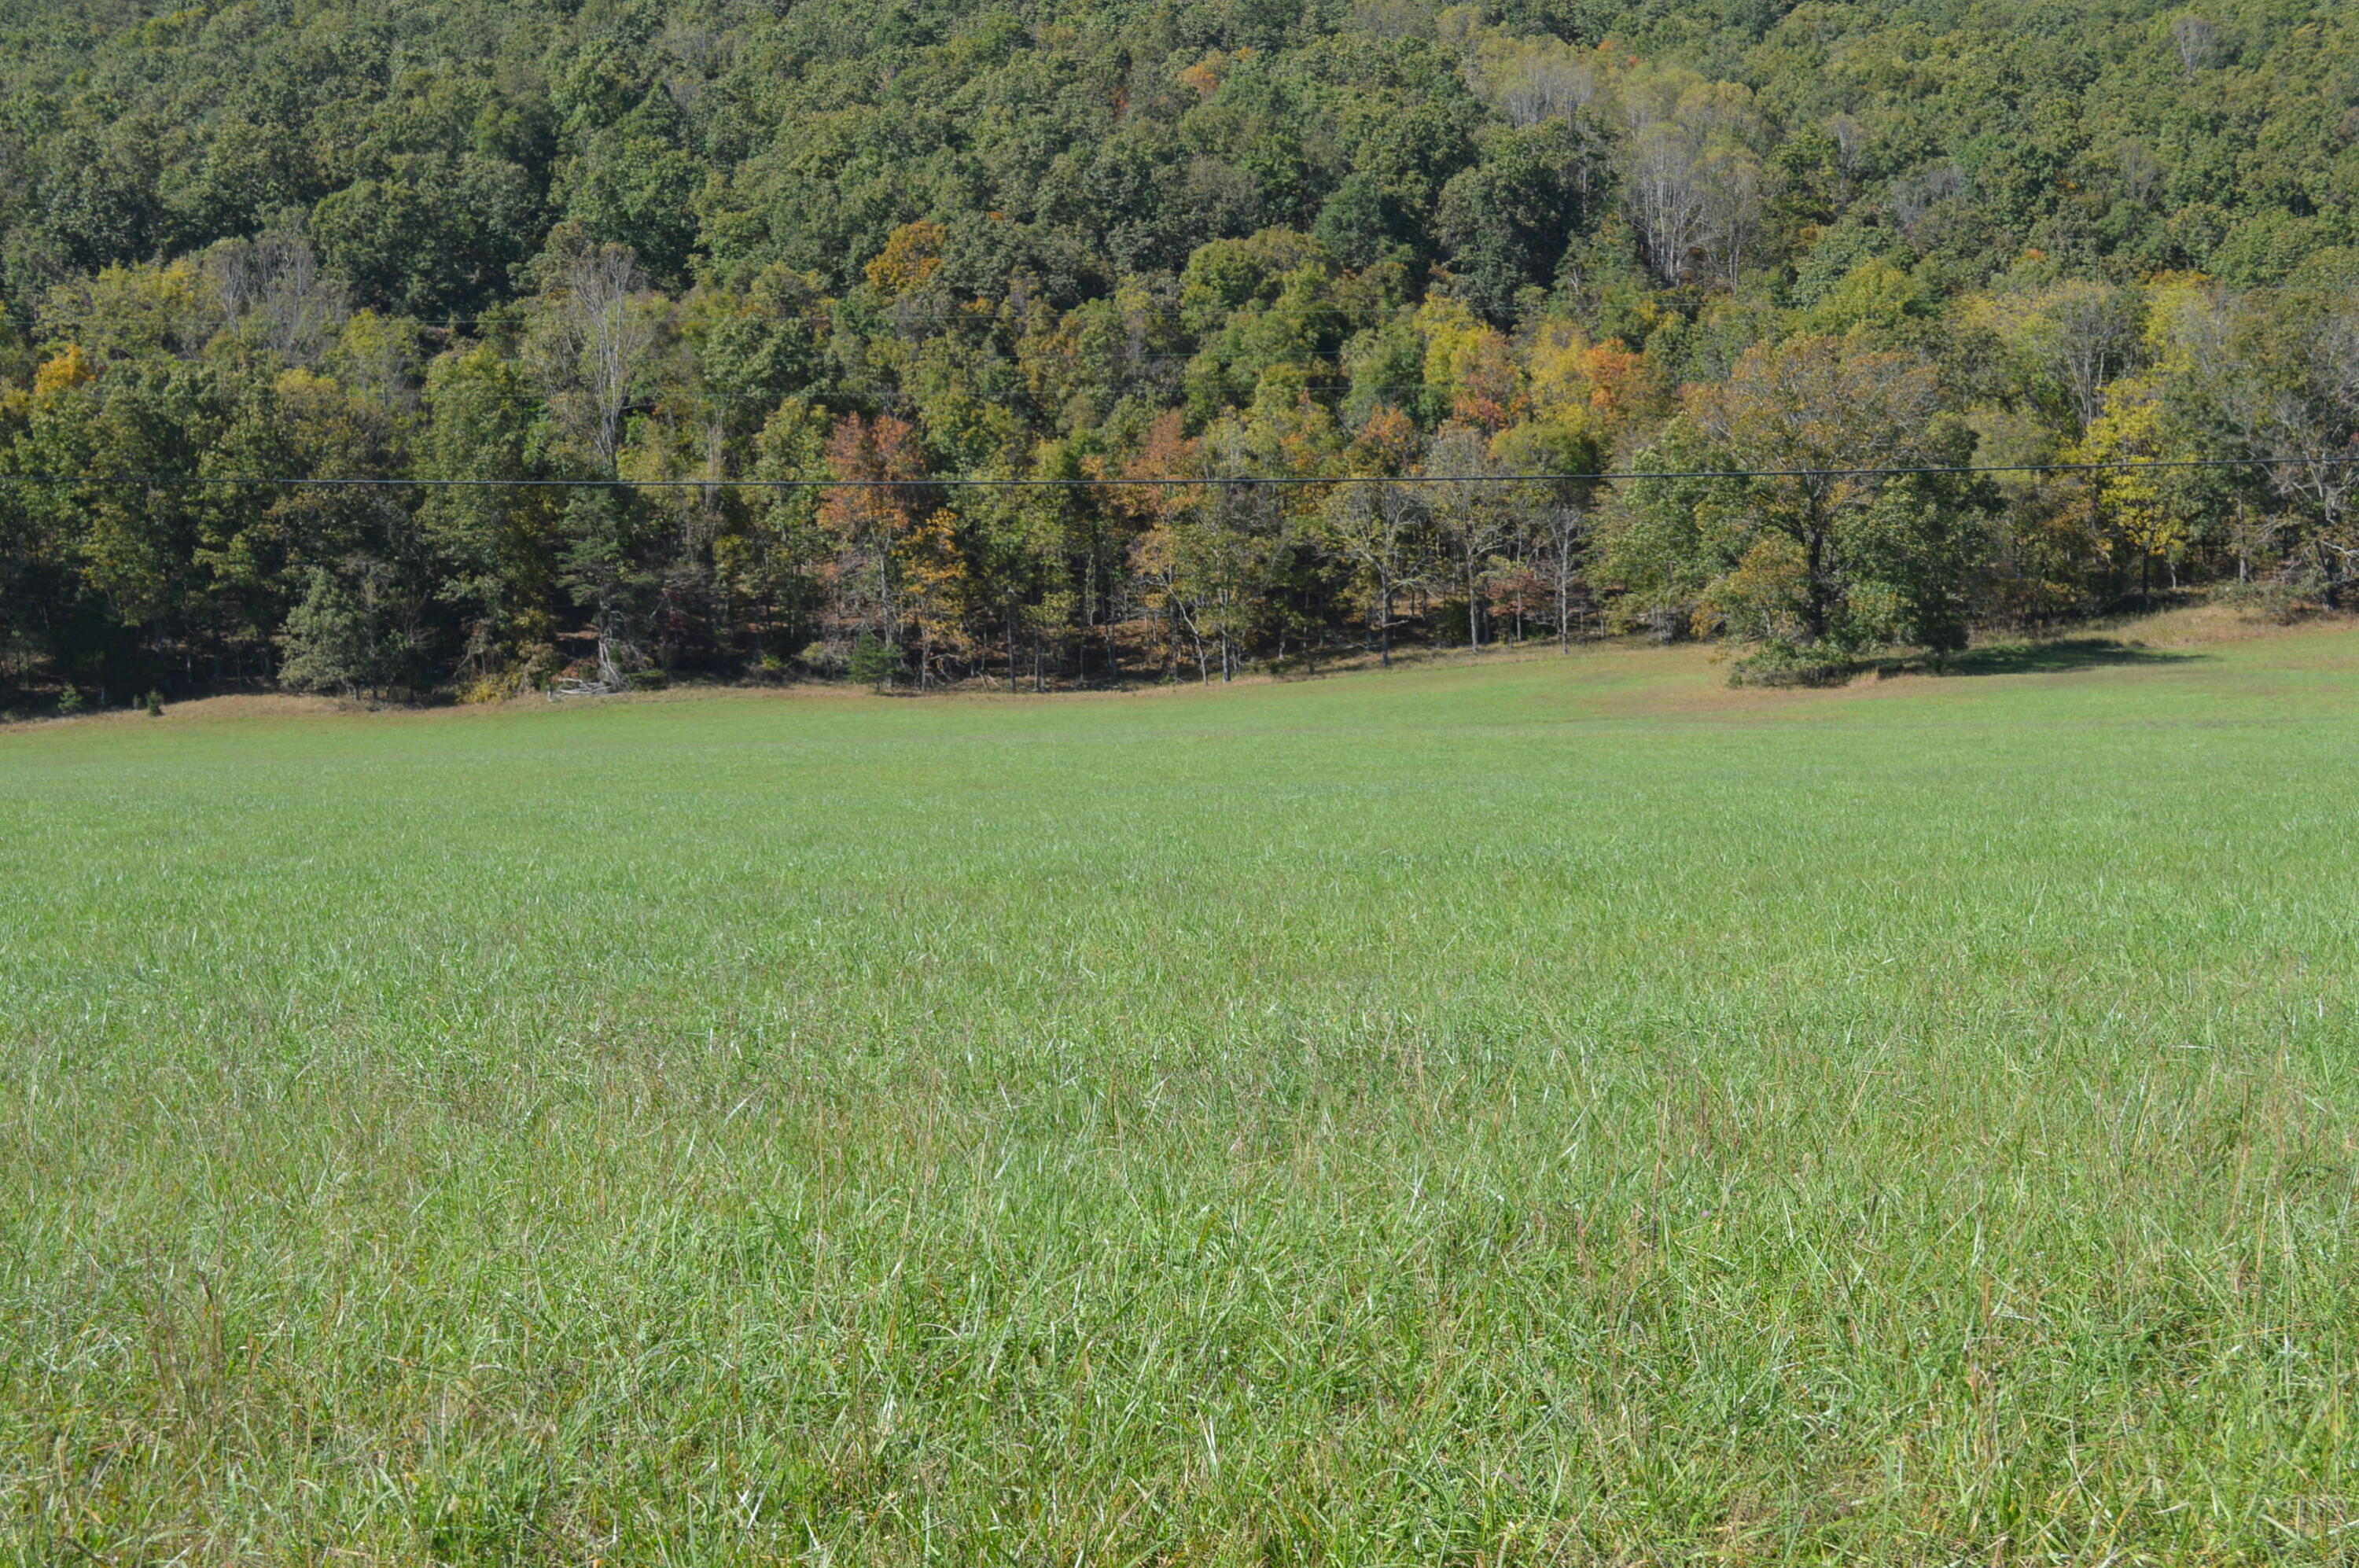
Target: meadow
(1521, 1110)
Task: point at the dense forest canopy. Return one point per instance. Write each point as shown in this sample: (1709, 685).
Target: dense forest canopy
(1103, 239)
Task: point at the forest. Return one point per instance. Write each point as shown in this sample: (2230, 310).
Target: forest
(929, 341)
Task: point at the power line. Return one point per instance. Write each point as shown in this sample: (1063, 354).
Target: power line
(1603, 476)
(689, 400)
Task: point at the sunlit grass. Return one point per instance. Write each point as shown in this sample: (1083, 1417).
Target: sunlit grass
(1540, 1111)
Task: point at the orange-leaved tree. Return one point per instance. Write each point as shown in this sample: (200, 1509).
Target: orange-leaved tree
(880, 499)
(1378, 525)
(1165, 557)
(936, 598)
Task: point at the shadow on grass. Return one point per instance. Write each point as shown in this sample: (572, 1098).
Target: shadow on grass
(2051, 658)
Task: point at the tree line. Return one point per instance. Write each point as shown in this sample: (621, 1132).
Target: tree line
(589, 273)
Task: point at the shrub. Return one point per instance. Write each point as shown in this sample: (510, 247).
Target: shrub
(2284, 596)
(1782, 663)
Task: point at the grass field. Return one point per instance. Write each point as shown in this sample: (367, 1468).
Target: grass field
(1536, 1111)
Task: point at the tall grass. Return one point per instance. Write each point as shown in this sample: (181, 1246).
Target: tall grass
(1542, 1112)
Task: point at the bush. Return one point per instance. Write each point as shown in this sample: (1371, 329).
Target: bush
(2284, 596)
(1784, 664)
(497, 686)
(69, 701)
(155, 702)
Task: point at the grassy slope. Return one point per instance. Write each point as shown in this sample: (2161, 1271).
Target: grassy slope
(1554, 1110)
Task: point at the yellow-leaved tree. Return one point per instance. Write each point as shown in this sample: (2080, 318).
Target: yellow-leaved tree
(2141, 517)
(2144, 503)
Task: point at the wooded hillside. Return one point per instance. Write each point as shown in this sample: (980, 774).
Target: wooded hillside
(906, 243)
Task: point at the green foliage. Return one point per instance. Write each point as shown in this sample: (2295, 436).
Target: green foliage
(1506, 221)
(350, 634)
(674, 243)
(875, 662)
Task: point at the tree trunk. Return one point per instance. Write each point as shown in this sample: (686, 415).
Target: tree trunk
(1473, 609)
(1817, 613)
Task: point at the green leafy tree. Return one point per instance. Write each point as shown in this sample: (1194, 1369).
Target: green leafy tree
(356, 631)
(1506, 222)
(1832, 545)
(875, 662)
(495, 535)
